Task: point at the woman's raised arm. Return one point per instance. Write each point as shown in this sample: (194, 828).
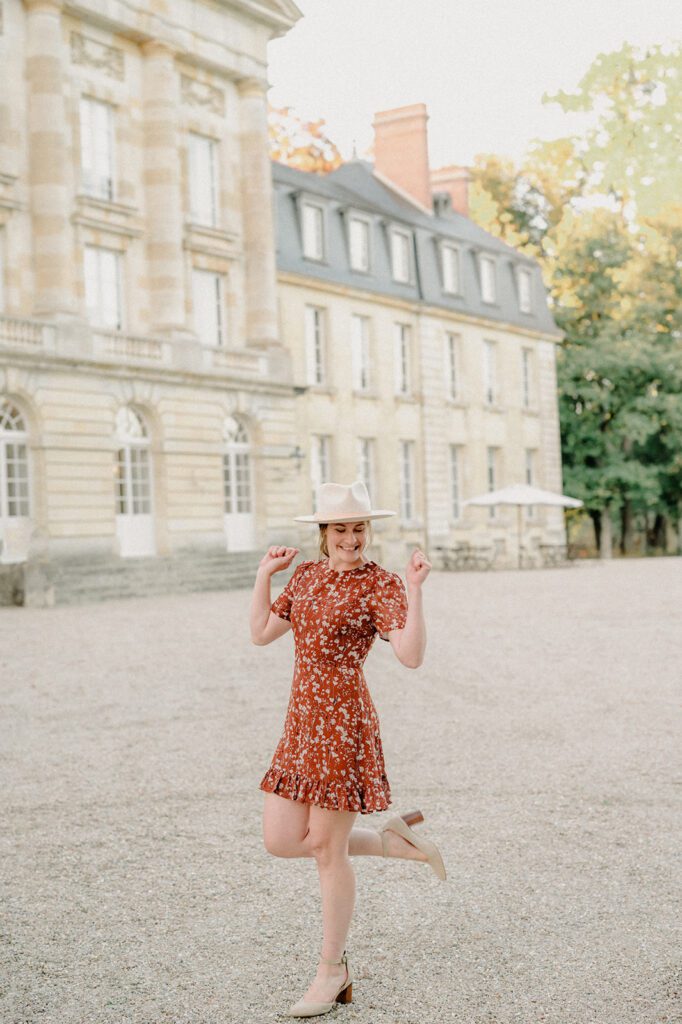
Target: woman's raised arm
(265, 625)
(409, 643)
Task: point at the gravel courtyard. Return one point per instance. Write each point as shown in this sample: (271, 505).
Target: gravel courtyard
(540, 738)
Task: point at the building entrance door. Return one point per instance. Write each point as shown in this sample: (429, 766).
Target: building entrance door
(240, 532)
(134, 498)
(15, 513)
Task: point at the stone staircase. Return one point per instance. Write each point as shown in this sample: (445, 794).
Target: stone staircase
(82, 580)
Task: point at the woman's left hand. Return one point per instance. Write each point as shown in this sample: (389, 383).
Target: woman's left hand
(418, 568)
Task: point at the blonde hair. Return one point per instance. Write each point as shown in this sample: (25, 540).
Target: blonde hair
(324, 550)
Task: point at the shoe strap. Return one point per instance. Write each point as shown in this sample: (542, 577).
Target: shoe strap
(343, 960)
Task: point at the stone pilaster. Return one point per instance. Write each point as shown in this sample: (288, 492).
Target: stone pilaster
(163, 190)
(50, 175)
(257, 217)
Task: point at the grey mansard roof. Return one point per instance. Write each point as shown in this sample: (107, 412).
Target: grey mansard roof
(353, 188)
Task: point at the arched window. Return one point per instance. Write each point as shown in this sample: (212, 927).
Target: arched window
(133, 464)
(14, 489)
(236, 468)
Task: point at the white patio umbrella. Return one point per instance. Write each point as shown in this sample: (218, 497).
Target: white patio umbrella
(520, 495)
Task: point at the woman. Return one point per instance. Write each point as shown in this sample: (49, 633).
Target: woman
(329, 763)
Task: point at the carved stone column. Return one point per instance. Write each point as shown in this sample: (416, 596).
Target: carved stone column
(163, 190)
(257, 217)
(50, 175)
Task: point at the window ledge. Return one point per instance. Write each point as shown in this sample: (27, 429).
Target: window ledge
(495, 407)
(457, 403)
(110, 205)
(320, 260)
(365, 393)
(530, 410)
(411, 399)
(320, 389)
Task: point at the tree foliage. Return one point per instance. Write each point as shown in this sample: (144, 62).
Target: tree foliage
(299, 143)
(601, 212)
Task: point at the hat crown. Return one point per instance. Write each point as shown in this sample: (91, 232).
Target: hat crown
(343, 499)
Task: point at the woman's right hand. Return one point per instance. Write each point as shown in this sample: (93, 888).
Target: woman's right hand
(276, 559)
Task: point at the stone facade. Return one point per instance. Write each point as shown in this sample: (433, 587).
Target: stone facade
(155, 394)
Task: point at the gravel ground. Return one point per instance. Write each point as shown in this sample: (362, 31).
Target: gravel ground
(540, 738)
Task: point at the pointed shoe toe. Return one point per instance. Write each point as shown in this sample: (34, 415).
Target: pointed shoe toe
(401, 825)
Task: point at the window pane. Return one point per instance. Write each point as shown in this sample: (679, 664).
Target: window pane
(450, 268)
(209, 308)
(487, 266)
(97, 147)
(400, 255)
(315, 345)
(312, 231)
(454, 480)
(103, 287)
(203, 184)
(359, 244)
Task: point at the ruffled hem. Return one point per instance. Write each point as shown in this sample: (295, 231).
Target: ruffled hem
(334, 796)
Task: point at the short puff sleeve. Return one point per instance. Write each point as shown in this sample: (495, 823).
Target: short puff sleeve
(388, 606)
(282, 605)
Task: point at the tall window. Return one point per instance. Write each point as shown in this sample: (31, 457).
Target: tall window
(313, 231)
(208, 302)
(455, 482)
(103, 287)
(359, 244)
(2, 271)
(488, 282)
(452, 366)
(315, 345)
(492, 476)
(450, 261)
(526, 376)
(203, 180)
(319, 463)
(489, 372)
(366, 460)
(406, 480)
(530, 478)
(360, 352)
(524, 285)
(236, 468)
(402, 358)
(14, 488)
(97, 148)
(133, 469)
(400, 255)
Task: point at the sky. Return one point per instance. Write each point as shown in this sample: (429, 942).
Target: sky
(480, 66)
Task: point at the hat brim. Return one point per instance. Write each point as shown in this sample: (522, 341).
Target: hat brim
(378, 513)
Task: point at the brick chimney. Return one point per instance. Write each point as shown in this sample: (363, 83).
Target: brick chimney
(401, 150)
(455, 181)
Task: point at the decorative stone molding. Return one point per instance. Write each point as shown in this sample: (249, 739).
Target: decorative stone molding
(94, 54)
(202, 94)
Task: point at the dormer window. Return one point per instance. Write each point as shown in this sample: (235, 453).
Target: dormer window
(400, 255)
(449, 255)
(523, 280)
(313, 231)
(358, 232)
(488, 279)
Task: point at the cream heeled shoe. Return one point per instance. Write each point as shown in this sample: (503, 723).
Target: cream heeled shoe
(401, 825)
(344, 995)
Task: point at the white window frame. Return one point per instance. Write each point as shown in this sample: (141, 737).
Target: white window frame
(452, 366)
(450, 268)
(401, 255)
(360, 352)
(134, 481)
(98, 148)
(489, 372)
(320, 463)
(313, 230)
(488, 274)
(366, 463)
(359, 244)
(402, 345)
(15, 464)
(237, 472)
(524, 282)
(203, 179)
(526, 377)
(102, 269)
(315, 344)
(456, 481)
(407, 481)
(492, 469)
(215, 283)
(529, 476)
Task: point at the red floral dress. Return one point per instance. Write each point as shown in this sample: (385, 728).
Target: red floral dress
(330, 753)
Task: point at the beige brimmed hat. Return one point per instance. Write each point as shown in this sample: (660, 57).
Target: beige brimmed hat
(343, 503)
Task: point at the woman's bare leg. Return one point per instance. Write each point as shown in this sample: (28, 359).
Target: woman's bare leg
(286, 827)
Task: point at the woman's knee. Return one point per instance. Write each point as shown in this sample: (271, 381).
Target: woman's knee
(327, 850)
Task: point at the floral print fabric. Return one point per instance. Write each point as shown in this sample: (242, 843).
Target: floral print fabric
(330, 753)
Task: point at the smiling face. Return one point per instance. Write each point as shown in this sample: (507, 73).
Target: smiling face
(346, 542)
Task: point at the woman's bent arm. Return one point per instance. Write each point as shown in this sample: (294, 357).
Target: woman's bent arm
(409, 643)
(265, 625)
